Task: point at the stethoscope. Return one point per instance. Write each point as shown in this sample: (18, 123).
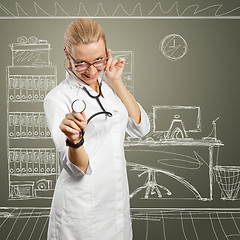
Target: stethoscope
(79, 105)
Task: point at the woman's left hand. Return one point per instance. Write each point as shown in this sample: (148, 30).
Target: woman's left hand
(114, 69)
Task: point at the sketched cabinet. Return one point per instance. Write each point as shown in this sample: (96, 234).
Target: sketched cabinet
(32, 164)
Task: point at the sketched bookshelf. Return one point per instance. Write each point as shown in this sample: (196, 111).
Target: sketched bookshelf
(32, 170)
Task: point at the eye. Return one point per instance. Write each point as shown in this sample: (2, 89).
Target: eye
(81, 63)
(99, 59)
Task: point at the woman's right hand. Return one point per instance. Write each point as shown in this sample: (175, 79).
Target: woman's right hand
(72, 124)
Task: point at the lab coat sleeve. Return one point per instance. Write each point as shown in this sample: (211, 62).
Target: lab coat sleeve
(141, 129)
(55, 112)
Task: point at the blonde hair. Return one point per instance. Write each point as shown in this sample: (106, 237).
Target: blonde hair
(83, 30)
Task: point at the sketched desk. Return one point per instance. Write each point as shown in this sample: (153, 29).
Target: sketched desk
(172, 165)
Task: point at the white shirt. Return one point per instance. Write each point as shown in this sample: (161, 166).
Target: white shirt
(95, 205)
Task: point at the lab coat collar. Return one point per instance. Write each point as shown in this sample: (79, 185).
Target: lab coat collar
(74, 81)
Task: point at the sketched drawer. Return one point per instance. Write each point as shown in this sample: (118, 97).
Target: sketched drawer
(32, 161)
(27, 125)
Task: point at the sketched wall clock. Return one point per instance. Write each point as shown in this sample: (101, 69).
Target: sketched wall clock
(173, 47)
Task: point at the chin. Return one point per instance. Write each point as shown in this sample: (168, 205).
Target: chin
(89, 80)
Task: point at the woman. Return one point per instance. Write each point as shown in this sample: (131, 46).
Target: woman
(91, 198)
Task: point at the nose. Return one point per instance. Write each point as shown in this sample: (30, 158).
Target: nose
(91, 70)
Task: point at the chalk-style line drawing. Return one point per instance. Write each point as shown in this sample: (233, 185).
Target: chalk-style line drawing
(173, 47)
(152, 186)
(127, 75)
(27, 125)
(175, 126)
(195, 8)
(188, 223)
(28, 88)
(30, 52)
(33, 222)
(120, 11)
(31, 75)
(213, 134)
(32, 172)
(32, 161)
(136, 11)
(228, 179)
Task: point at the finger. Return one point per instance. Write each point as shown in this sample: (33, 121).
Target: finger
(67, 130)
(80, 119)
(121, 63)
(75, 117)
(72, 124)
(112, 65)
(84, 116)
(109, 53)
(78, 116)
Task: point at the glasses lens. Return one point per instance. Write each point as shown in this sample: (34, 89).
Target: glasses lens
(99, 63)
(80, 68)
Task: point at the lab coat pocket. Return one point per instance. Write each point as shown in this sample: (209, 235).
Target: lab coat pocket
(78, 197)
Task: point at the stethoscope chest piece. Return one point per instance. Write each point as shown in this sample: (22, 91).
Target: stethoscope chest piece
(78, 106)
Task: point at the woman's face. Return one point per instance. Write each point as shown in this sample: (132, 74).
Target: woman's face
(88, 53)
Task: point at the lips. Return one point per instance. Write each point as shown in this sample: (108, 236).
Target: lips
(90, 77)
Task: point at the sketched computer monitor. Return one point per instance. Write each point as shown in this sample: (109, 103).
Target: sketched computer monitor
(166, 119)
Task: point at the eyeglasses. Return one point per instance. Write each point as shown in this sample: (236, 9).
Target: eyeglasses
(81, 67)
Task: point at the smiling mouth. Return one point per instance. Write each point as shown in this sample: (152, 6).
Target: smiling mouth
(90, 77)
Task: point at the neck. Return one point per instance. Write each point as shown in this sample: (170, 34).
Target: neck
(95, 86)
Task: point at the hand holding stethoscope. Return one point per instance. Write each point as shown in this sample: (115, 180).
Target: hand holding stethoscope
(74, 123)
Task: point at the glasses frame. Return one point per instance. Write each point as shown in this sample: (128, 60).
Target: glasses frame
(87, 63)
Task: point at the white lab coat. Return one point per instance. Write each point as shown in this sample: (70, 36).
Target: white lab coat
(95, 205)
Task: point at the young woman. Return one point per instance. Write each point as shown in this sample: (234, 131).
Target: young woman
(91, 198)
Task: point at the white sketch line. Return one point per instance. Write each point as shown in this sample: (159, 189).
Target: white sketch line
(220, 223)
(194, 228)
(163, 225)
(235, 223)
(183, 229)
(100, 9)
(34, 226)
(210, 217)
(13, 224)
(157, 10)
(58, 6)
(45, 224)
(36, 6)
(146, 228)
(25, 224)
(126, 13)
(8, 215)
(19, 9)
(80, 6)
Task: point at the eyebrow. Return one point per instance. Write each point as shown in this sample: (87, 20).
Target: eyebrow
(80, 60)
